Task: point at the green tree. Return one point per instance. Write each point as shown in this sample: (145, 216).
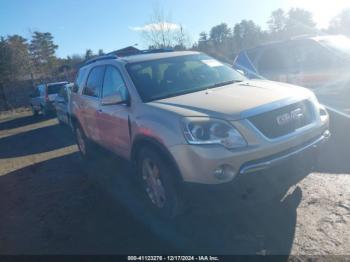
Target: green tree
(277, 25)
(341, 23)
(246, 34)
(14, 63)
(277, 21)
(203, 36)
(100, 52)
(4, 71)
(299, 21)
(42, 49)
(88, 54)
(219, 34)
(203, 43)
(19, 63)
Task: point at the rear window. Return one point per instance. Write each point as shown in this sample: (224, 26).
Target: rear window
(54, 89)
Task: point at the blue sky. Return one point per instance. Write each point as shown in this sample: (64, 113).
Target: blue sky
(108, 24)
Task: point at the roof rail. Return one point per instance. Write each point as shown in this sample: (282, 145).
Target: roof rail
(158, 50)
(99, 58)
(138, 52)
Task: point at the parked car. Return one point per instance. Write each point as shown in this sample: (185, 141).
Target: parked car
(184, 117)
(43, 97)
(62, 104)
(321, 63)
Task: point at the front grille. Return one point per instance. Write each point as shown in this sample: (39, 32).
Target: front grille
(285, 120)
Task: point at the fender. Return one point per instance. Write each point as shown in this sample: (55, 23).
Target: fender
(143, 140)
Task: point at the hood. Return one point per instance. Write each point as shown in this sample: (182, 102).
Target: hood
(235, 101)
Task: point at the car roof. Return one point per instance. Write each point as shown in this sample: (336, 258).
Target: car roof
(57, 83)
(155, 56)
(316, 38)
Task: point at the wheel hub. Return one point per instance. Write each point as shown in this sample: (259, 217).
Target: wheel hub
(153, 183)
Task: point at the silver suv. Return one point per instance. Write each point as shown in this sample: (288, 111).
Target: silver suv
(43, 97)
(186, 117)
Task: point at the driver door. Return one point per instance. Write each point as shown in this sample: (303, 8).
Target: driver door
(113, 118)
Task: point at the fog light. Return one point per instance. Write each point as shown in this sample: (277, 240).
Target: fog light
(224, 172)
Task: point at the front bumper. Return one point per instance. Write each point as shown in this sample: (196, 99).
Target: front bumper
(269, 162)
(197, 164)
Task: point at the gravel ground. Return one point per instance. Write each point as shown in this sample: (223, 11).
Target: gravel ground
(52, 203)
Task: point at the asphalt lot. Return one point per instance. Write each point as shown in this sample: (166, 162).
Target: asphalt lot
(53, 203)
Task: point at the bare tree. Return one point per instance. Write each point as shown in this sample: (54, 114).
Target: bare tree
(160, 32)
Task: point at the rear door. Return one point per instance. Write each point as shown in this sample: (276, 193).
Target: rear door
(89, 103)
(35, 99)
(61, 104)
(113, 120)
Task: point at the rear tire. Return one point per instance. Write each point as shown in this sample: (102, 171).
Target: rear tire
(84, 145)
(160, 184)
(34, 111)
(44, 111)
(60, 122)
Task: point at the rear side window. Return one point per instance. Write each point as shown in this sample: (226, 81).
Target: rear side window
(94, 82)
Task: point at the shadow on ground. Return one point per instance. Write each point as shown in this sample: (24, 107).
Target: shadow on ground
(51, 208)
(334, 157)
(21, 121)
(35, 141)
(64, 206)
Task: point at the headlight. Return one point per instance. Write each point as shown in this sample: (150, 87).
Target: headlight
(205, 130)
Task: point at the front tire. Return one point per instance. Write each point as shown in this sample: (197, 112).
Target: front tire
(160, 184)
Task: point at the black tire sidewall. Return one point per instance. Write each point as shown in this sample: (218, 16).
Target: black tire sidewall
(34, 111)
(85, 156)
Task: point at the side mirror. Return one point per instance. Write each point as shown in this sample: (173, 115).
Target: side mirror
(115, 99)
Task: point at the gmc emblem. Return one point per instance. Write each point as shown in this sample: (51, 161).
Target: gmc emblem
(294, 115)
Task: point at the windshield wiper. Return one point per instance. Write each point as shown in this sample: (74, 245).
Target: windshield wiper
(224, 83)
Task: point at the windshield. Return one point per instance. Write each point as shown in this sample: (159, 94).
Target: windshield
(174, 76)
(339, 44)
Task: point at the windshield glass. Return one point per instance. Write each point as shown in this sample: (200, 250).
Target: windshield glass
(340, 44)
(179, 75)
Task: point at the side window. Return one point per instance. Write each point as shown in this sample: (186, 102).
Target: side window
(79, 82)
(114, 84)
(94, 82)
(270, 60)
(312, 57)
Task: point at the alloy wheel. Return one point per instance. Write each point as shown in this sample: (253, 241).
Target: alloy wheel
(153, 183)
